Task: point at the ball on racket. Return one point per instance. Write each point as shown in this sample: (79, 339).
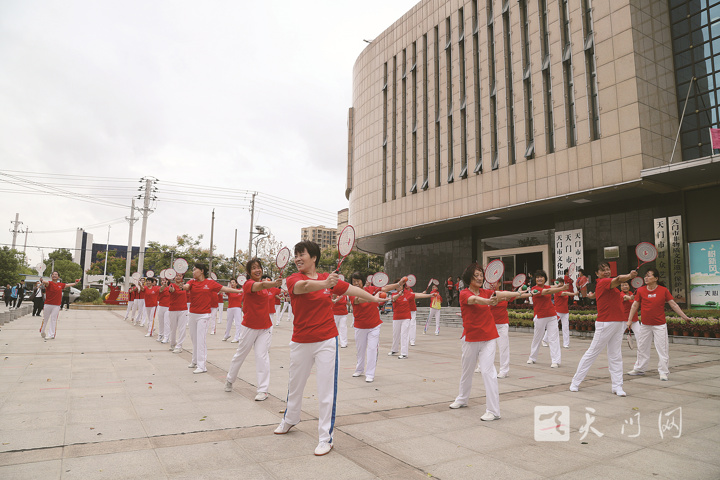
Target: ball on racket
(382, 295)
(535, 291)
(524, 288)
(404, 279)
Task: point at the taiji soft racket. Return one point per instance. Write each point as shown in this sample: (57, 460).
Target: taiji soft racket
(519, 280)
(40, 267)
(630, 340)
(282, 259)
(637, 282)
(411, 280)
(435, 281)
(345, 243)
(180, 265)
(136, 278)
(341, 277)
(241, 280)
(162, 273)
(369, 280)
(572, 270)
(213, 276)
(170, 274)
(149, 274)
(380, 279)
(645, 253)
(582, 281)
(494, 271)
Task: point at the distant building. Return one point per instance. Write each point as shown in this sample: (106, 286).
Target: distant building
(322, 235)
(342, 219)
(82, 255)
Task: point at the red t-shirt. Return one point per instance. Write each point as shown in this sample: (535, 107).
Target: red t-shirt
(609, 302)
(401, 305)
(500, 313)
(366, 315)
(652, 304)
(203, 295)
(151, 296)
(413, 305)
(141, 293)
(221, 300)
(340, 306)
(314, 320)
(255, 307)
(235, 300)
(561, 303)
(131, 294)
(276, 292)
(478, 322)
(178, 298)
(164, 297)
(627, 306)
(542, 304)
(53, 293)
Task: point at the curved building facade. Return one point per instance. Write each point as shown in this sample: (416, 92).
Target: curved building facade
(541, 132)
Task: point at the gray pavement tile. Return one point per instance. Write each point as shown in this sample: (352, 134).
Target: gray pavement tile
(310, 467)
(202, 457)
(114, 466)
(27, 439)
(603, 471)
(103, 431)
(415, 451)
(383, 431)
(483, 440)
(32, 471)
(472, 467)
(665, 464)
(249, 472)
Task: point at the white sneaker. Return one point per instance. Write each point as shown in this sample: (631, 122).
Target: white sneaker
(619, 392)
(234, 341)
(225, 339)
(357, 374)
(177, 350)
(663, 377)
(457, 404)
(369, 379)
(148, 334)
(412, 344)
(634, 373)
(212, 333)
(437, 333)
(323, 448)
(489, 417)
(530, 362)
(199, 370)
(402, 357)
(192, 365)
(390, 354)
(555, 365)
(545, 344)
(573, 388)
(502, 375)
(477, 370)
(566, 346)
(261, 396)
(158, 339)
(228, 386)
(165, 341)
(283, 428)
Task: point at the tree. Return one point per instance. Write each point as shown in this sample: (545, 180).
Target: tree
(11, 266)
(115, 266)
(68, 270)
(60, 254)
(356, 261)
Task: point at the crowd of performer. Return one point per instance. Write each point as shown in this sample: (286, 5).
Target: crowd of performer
(318, 304)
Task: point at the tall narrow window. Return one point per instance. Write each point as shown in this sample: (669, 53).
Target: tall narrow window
(403, 125)
(426, 136)
(385, 132)
(476, 77)
(448, 87)
(463, 97)
(510, 96)
(493, 86)
(568, 74)
(527, 81)
(591, 70)
(437, 106)
(394, 129)
(547, 82)
(414, 122)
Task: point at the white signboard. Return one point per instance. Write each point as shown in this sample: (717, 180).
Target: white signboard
(568, 249)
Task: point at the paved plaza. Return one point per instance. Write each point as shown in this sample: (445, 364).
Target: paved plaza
(101, 401)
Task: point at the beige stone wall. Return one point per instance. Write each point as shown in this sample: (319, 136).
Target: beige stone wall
(638, 113)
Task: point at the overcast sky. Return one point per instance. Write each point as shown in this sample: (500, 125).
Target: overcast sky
(230, 96)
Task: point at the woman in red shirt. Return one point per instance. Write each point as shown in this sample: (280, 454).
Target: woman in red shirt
(479, 334)
(177, 313)
(628, 299)
(256, 329)
(545, 318)
(234, 313)
(651, 299)
(314, 340)
(402, 314)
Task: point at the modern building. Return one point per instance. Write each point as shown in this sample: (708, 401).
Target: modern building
(543, 133)
(322, 235)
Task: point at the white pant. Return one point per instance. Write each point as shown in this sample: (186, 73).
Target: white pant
(128, 312)
(485, 351)
(413, 326)
(198, 326)
(286, 307)
(341, 323)
(434, 312)
(260, 340)
(141, 311)
(220, 308)
(212, 324)
(503, 343)
(150, 313)
(366, 343)
(178, 322)
(401, 336)
(645, 335)
(162, 319)
(234, 316)
(610, 335)
(324, 356)
(276, 316)
(50, 317)
(565, 320)
(549, 323)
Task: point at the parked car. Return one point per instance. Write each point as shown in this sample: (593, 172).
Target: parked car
(74, 294)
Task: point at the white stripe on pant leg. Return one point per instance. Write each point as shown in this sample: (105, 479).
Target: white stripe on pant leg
(503, 342)
(660, 337)
(302, 359)
(413, 326)
(373, 342)
(262, 359)
(470, 352)
(486, 354)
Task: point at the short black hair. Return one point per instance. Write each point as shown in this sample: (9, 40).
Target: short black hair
(312, 248)
(251, 263)
(540, 273)
(358, 276)
(601, 266)
(203, 267)
(469, 273)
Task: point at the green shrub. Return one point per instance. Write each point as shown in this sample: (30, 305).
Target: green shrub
(89, 295)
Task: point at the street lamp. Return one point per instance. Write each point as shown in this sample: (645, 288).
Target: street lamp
(261, 232)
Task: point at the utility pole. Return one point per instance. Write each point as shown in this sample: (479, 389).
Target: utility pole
(235, 255)
(17, 223)
(212, 232)
(107, 251)
(128, 259)
(27, 230)
(145, 212)
(252, 220)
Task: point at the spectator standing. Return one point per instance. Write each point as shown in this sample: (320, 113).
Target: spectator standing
(38, 299)
(65, 298)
